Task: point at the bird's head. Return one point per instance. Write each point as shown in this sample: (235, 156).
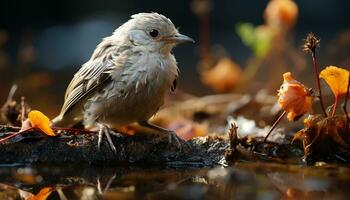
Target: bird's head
(152, 31)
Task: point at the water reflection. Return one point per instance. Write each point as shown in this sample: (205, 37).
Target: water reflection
(241, 181)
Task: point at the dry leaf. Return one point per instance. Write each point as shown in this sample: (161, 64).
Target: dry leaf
(39, 120)
(127, 130)
(294, 97)
(187, 129)
(224, 76)
(336, 78)
(43, 194)
(323, 136)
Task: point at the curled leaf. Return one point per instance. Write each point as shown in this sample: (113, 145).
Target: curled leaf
(336, 78)
(38, 120)
(43, 194)
(294, 97)
(300, 135)
(323, 137)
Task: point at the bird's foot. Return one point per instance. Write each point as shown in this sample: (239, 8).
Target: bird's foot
(102, 189)
(105, 130)
(173, 138)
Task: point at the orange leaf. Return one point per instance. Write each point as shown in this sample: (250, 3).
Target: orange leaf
(43, 194)
(39, 120)
(224, 76)
(336, 78)
(294, 97)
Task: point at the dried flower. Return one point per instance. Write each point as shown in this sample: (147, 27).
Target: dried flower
(311, 43)
(12, 112)
(294, 97)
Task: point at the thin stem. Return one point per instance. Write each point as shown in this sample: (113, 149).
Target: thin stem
(275, 124)
(12, 93)
(54, 128)
(346, 103)
(23, 109)
(314, 62)
(335, 105)
(15, 134)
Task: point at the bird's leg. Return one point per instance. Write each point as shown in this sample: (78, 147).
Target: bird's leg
(108, 184)
(100, 136)
(171, 134)
(103, 129)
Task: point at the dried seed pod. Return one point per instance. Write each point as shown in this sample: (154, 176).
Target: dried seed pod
(311, 43)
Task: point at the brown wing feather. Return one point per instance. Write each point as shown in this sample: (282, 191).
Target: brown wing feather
(93, 74)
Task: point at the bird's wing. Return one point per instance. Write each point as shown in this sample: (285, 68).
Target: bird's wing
(93, 74)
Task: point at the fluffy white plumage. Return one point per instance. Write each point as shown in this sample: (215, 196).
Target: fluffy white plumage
(127, 76)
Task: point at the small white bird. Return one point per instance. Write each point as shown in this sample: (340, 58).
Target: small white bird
(126, 78)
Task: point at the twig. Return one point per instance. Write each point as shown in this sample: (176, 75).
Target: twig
(335, 105)
(54, 128)
(314, 62)
(12, 93)
(233, 136)
(15, 134)
(274, 125)
(23, 109)
(311, 43)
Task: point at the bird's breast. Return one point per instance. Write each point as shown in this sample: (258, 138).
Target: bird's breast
(139, 91)
(150, 74)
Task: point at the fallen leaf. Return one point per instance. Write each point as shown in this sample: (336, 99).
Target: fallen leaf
(187, 129)
(298, 136)
(38, 120)
(294, 97)
(323, 136)
(127, 130)
(224, 76)
(43, 194)
(336, 78)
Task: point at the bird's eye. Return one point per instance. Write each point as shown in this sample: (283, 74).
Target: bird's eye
(154, 33)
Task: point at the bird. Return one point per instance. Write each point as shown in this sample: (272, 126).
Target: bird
(126, 78)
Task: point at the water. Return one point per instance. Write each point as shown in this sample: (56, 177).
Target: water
(240, 181)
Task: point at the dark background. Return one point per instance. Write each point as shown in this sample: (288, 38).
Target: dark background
(59, 36)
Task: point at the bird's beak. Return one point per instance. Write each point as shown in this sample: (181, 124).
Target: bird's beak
(179, 38)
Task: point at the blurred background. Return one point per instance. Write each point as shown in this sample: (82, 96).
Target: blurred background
(241, 45)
